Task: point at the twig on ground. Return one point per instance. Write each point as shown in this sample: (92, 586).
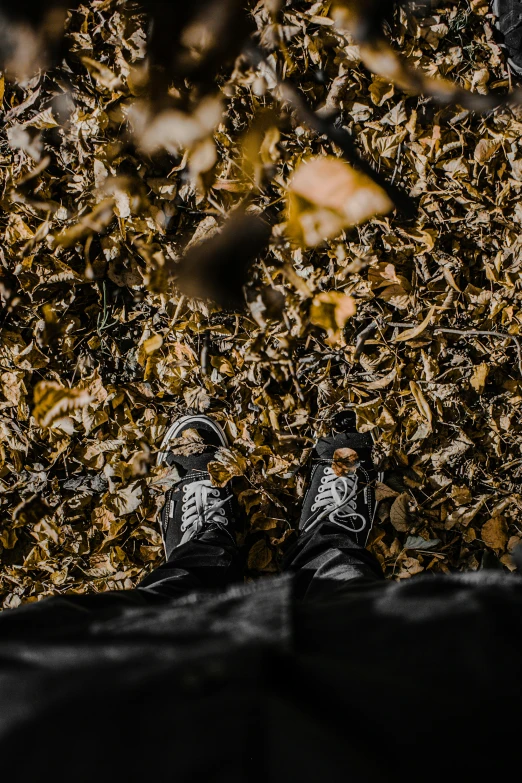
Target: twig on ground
(362, 337)
(464, 332)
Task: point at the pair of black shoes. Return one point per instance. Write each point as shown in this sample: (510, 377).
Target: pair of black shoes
(341, 486)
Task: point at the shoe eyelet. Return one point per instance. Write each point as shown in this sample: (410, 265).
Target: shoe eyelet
(313, 507)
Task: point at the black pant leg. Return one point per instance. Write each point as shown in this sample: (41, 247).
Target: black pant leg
(326, 560)
(211, 560)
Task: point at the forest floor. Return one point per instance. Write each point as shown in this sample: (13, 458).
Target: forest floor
(88, 221)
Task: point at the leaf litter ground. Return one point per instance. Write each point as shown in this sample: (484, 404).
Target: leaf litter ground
(97, 355)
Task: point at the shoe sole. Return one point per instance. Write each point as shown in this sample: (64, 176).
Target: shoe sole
(176, 426)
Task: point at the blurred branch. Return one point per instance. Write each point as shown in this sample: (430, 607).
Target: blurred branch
(326, 127)
(366, 20)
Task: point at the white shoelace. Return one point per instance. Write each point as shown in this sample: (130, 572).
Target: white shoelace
(201, 506)
(336, 498)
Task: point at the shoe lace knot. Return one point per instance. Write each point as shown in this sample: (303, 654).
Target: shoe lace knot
(336, 498)
(202, 506)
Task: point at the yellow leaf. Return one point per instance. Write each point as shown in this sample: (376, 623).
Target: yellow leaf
(326, 195)
(422, 402)
(331, 310)
(53, 401)
(153, 344)
(479, 377)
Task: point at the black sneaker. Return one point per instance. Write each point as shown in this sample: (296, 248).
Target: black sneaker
(341, 487)
(193, 506)
(509, 24)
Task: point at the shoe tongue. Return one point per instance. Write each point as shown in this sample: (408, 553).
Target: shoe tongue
(192, 462)
(353, 440)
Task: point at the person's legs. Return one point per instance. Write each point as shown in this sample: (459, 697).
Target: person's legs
(326, 560)
(337, 516)
(212, 560)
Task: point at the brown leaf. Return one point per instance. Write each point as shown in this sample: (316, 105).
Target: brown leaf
(485, 150)
(227, 464)
(127, 499)
(344, 461)
(399, 513)
(422, 402)
(465, 514)
(260, 556)
(383, 491)
(494, 533)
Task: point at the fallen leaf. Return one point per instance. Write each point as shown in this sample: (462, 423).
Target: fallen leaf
(344, 461)
(325, 195)
(399, 512)
(422, 402)
(259, 556)
(126, 500)
(227, 464)
(479, 377)
(485, 150)
(383, 491)
(332, 310)
(419, 543)
(52, 401)
(494, 533)
(416, 331)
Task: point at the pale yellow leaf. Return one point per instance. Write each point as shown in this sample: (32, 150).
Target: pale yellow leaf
(411, 334)
(331, 310)
(52, 401)
(422, 402)
(326, 194)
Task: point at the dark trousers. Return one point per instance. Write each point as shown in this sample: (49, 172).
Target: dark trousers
(323, 561)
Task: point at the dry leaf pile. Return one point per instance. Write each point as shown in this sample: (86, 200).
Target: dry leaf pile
(101, 197)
